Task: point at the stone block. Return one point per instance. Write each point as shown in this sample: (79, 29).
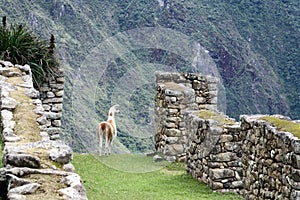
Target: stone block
(61, 153)
(215, 185)
(172, 132)
(32, 93)
(56, 123)
(53, 115)
(42, 120)
(57, 107)
(57, 86)
(173, 149)
(295, 195)
(59, 93)
(53, 100)
(224, 157)
(53, 130)
(14, 181)
(8, 103)
(46, 107)
(60, 80)
(296, 146)
(50, 94)
(171, 140)
(295, 159)
(218, 174)
(296, 175)
(232, 146)
(22, 160)
(173, 93)
(24, 189)
(170, 125)
(6, 115)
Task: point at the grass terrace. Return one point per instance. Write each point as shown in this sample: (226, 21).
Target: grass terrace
(169, 182)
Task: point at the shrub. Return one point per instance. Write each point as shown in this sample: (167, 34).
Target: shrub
(20, 46)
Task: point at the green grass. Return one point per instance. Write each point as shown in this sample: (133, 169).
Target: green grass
(103, 182)
(283, 125)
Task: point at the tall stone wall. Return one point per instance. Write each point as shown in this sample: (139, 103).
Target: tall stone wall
(175, 95)
(36, 164)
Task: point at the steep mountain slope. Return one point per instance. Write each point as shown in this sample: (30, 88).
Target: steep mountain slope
(255, 45)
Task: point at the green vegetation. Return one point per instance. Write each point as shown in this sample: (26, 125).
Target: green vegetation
(105, 182)
(209, 114)
(283, 125)
(20, 46)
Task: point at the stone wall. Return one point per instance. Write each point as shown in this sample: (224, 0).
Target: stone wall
(250, 157)
(271, 161)
(175, 94)
(214, 153)
(51, 94)
(36, 164)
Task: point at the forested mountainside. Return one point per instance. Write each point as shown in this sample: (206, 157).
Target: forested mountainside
(255, 45)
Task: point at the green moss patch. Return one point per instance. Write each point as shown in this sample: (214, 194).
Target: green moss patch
(283, 125)
(209, 114)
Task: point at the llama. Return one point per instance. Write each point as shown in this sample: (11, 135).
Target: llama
(107, 130)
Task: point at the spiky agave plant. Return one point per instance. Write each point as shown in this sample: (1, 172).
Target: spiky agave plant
(20, 46)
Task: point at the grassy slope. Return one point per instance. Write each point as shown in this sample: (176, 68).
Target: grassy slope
(168, 183)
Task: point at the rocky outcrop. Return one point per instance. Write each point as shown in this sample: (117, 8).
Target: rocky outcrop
(34, 157)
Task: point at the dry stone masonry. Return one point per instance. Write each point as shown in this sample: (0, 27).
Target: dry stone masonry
(271, 161)
(51, 94)
(36, 163)
(175, 94)
(214, 151)
(250, 157)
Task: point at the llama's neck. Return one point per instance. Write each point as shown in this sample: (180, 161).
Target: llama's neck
(111, 120)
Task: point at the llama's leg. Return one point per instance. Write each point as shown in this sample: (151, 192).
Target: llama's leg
(106, 146)
(109, 147)
(100, 144)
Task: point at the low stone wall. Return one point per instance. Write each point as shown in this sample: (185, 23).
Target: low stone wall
(175, 95)
(34, 164)
(271, 161)
(214, 152)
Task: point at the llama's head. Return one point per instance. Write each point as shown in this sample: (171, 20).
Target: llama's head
(114, 109)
